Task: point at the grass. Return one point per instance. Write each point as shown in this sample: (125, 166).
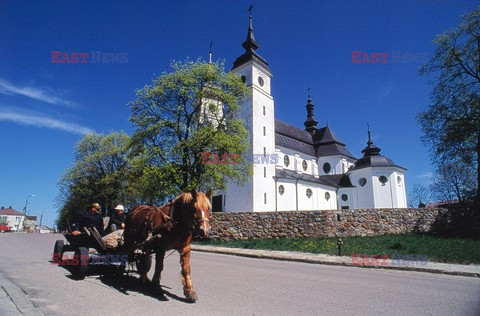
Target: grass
(438, 249)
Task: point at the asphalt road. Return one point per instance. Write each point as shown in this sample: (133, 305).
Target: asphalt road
(229, 285)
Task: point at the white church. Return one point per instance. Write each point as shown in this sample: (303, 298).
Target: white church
(315, 170)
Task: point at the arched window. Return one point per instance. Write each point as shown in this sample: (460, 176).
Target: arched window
(309, 193)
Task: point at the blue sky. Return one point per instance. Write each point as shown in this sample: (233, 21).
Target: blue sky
(46, 107)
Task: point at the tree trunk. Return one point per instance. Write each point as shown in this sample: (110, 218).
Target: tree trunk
(477, 200)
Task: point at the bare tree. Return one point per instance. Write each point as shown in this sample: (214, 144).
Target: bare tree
(420, 196)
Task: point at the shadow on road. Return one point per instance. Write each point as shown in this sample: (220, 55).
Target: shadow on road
(115, 277)
(129, 283)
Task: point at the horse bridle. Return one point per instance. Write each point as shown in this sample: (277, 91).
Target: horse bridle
(203, 219)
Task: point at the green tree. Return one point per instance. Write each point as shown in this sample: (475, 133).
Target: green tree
(451, 124)
(185, 113)
(99, 174)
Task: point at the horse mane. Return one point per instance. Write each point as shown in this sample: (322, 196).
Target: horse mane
(201, 202)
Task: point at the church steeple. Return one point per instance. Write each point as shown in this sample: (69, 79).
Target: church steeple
(251, 46)
(250, 43)
(310, 123)
(371, 149)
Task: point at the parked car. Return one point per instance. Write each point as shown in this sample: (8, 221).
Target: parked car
(4, 228)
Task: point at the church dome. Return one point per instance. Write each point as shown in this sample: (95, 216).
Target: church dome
(372, 158)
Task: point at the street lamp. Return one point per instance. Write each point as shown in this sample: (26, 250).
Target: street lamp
(41, 218)
(26, 203)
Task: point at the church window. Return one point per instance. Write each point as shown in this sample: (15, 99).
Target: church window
(304, 165)
(309, 193)
(327, 196)
(264, 110)
(244, 79)
(281, 189)
(344, 197)
(261, 82)
(383, 180)
(327, 167)
(264, 131)
(264, 172)
(362, 181)
(286, 160)
(399, 180)
(265, 198)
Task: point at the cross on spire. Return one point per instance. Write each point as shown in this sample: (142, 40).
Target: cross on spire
(250, 8)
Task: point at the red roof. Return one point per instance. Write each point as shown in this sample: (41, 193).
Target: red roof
(10, 211)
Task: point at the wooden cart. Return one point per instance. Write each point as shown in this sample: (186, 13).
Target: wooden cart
(90, 249)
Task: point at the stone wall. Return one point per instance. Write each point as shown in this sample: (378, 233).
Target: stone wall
(332, 223)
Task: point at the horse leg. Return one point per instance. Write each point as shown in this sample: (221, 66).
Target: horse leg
(186, 279)
(159, 257)
(143, 267)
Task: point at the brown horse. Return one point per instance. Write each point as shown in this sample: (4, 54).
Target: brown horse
(174, 224)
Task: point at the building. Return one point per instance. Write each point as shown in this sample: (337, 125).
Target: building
(12, 218)
(303, 169)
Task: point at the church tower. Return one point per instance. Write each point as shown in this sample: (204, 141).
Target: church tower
(257, 111)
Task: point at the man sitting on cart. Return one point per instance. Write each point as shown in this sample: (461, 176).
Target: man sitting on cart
(117, 220)
(91, 218)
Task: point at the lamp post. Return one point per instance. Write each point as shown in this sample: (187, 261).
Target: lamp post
(25, 213)
(41, 218)
(26, 203)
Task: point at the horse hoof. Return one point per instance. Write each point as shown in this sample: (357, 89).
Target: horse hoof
(191, 296)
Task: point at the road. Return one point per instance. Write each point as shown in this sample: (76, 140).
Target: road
(229, 285)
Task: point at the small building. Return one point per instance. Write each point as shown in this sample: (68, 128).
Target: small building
(12, 218)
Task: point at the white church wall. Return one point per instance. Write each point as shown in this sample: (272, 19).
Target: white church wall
(383, 194)
(296, 160)
(346, 198)
(338, 164)
(304, 202)
(258, 111)
(287, 200)
(400, 197)
(363, 194)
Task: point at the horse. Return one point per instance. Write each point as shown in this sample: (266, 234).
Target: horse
(170, 227)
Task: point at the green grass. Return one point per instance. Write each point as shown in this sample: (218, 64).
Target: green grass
(438, 249)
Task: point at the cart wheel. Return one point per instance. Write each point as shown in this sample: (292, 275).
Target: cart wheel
(81, 270)
(144, 263)
(58, 251)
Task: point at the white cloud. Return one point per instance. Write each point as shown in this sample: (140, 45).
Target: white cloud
(42, 121)
(425, 175)
(34, 93)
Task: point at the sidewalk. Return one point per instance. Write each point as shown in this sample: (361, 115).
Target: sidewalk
(13, 300)
(432, 267)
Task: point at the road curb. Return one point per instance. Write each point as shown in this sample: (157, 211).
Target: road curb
(13, 300)
(432, 267)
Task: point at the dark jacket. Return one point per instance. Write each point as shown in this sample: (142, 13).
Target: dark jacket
(89, 220)
(117, 219)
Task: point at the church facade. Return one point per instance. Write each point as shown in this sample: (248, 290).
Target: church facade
(311, 168)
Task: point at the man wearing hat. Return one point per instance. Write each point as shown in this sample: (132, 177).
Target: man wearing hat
(117, 220)
(91, 218)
